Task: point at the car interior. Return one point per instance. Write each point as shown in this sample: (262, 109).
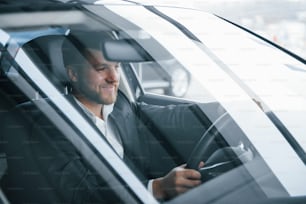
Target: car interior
(23, 172)
(174, 145)
(174, 150)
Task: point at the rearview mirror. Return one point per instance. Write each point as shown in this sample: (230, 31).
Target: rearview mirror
(124, 51)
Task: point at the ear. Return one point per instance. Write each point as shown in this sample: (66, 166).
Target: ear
(72, 73)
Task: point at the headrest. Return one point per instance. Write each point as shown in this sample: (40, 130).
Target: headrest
(46, 52)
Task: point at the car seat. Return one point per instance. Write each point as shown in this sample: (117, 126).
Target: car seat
(23, 181)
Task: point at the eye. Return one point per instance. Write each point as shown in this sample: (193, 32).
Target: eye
(100, 67)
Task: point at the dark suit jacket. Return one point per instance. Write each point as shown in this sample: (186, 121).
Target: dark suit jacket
(53, 170)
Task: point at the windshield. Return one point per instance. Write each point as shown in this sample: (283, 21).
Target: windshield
(246, 82)
(193, 88)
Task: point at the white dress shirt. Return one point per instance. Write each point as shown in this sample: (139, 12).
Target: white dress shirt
(105, 126)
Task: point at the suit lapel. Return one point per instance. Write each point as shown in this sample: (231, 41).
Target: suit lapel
(124, 122)
(119, 120)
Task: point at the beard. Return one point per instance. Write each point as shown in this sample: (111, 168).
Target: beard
(101, 94)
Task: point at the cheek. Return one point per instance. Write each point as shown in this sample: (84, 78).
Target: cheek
(93, 77)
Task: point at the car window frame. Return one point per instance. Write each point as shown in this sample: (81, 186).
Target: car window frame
(87, 140)
(234, 107)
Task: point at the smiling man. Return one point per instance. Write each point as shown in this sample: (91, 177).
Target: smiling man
(94, 86)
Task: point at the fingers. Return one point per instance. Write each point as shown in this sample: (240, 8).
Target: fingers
(191, 174)
(177, 181)
(188, 183)
(186, 178)
(201, 164)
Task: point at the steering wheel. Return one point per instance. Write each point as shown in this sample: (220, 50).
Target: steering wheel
(222, 159)
(205, 141)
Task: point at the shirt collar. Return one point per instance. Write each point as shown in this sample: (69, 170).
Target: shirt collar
(107, 110)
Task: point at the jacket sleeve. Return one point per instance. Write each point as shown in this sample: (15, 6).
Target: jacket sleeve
(60, 164)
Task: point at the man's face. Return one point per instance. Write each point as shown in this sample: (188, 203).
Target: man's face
(98, 79)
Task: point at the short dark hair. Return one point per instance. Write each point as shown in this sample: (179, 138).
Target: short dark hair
(76, 43)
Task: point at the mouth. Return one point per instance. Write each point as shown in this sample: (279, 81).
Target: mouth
(108, 88)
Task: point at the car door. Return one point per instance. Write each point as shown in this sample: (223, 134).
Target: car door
(211, 63)
(217, 106)
(30, 134)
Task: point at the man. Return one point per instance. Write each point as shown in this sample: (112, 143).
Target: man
(95, 83)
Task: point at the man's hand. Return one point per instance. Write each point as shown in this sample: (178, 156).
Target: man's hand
(177, 181)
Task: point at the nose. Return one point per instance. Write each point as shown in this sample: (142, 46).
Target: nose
(113, 74)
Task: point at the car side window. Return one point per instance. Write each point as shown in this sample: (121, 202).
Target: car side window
(174, 81)
(54, 164)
